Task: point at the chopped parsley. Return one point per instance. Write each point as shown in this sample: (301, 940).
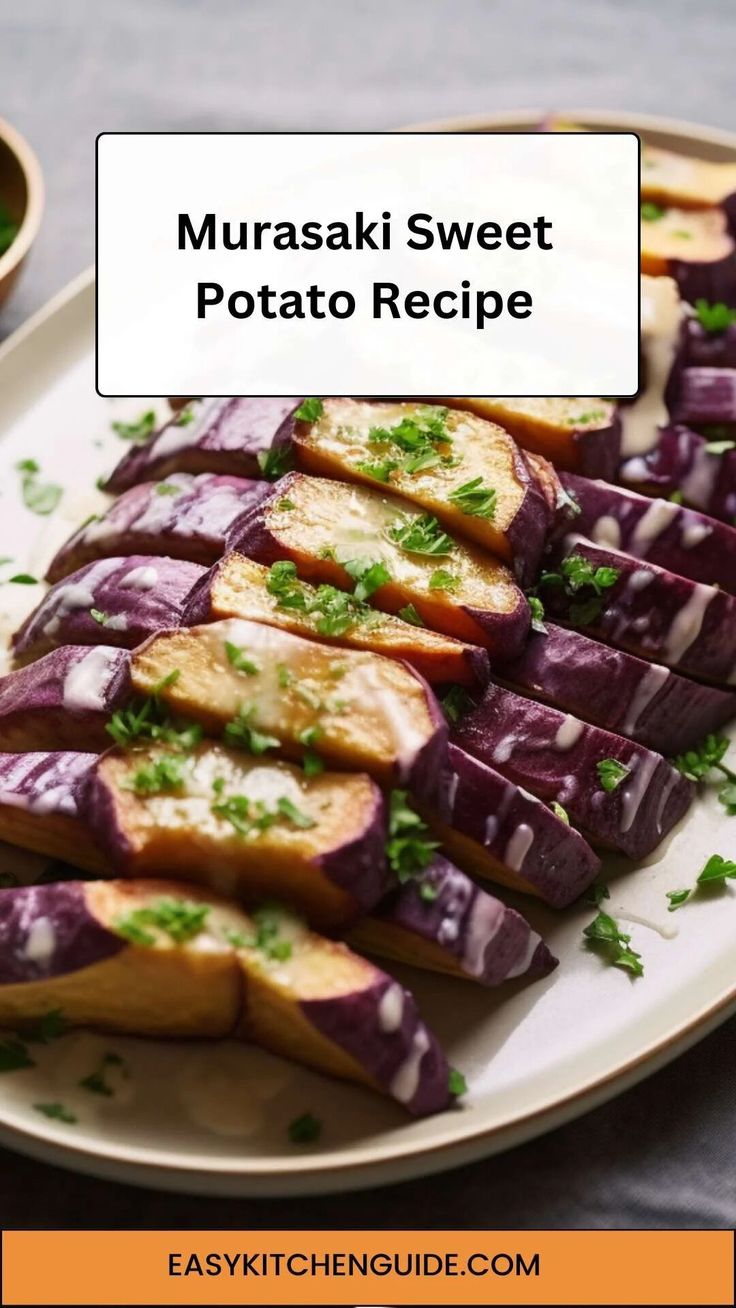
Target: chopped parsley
(714, 318)
(310, 409)
(23, 579)
(287, 809)
(251, 817)
(585, 584)
(8, 229)
(651, 212)
(537, 611)
(269, 921)
(720, 447)
(560, 812)
(409, 614)
(367, 576)
(96, 1082)
(285, 505)
(312, 764)
(422, 535)
(457, 1085)
(604, 935)
(333, 611)
(415, 444)
(611, 773)
(676, 497)
(168, 488)
(717, 871)
(99, 616)
(184, 417)
(56, 1112)
(48, 1027)
(38, 497)
(139, 430)
(275, 462)
(14, 1055)
(699, 763)
(474, 499)
(162, 774)
(305, 1129)
(145, 718)
(180, 919)
(455, 702)
(241, 734)
(596, 893)
(241, 661)
(378, 469)
(441, 579)
(409, 848)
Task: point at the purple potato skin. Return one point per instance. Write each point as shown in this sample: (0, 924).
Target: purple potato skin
(490, 942)
(47, 783)
(681, 464)
(490, 810)
(403, 1058)
(702, 349)
(252, 536)
(52, 705)
(141, 594)
(655, 613)
(705, 396)
(225, 436)
(192, 523)
(682, 540)
(519, 736)
(714, 281)
(618, 691)
(357, 867)
(79, 938)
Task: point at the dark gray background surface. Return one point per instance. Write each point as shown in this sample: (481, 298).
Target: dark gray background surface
(664, 1154)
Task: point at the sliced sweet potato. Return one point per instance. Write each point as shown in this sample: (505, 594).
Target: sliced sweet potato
(332, 532)
(619, 794)
(358, 710)
(40, 799)
(468, 472)
(236, 587)
(581, 435)
(706, 396)
(669, 178)
(502, 833)
(183, 517)
(709, 348)
(223, 436)
(116, 601)
(443, 921)
(327, 1007)
(163, 958)
(649, 611)
(618, 691)
(64, 700)
(90, 950)
(671, 236)
(249, 827)
(668, 534)
(685, 465)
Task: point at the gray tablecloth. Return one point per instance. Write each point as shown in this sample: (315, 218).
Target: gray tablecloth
(664, 1154)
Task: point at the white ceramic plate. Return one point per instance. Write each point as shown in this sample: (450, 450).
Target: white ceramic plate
(213, 1118)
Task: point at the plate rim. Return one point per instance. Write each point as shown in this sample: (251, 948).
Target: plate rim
(392, 1162)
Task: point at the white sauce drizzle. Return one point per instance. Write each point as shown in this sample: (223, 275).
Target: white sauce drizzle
(695, 534)
(143, 578)
(40, 941)
(641, 770)
(657, 519)
(688, 622)
(606, 530)
(661, 315)
(406, 1080)
(640, 579)
(522, 965)
(481, 928)
(568, 733)
(87, 680)
(652, 681)
(391, 1009)
(518, 846)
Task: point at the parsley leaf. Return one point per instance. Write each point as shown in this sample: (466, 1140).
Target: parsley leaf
(441, 579)
(367, 576)
(241, 734)
(181, 919)
(576, 575)
(699, 763)
(604, 935)
(455, 702)
(611, 773)
(162, 774)
(422, 535)
(409, 848)
(99, 616)
(23, 579)
(96, 1081)
(305, 1129)
(457, 1085)
(474, 499)
(714, 318)
(56, 1112)
(650, 212)
(537, 611)
(275, 462)
(39, 498)
(14, 1055)
(409, 614)
(716, 871)
(139, 430)
(238, 659)
(560, 812)
(310, 409)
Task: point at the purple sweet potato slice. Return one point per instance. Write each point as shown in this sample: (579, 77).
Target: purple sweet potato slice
(236, 587)
(504, 510)
(64, 699)
(163, 958)
(703, 348)
(322, 526)
(578, 434)
(183, 517)
(331, 1009)
(81, 947)
(443, 921)
(693, 247)
(652, 612)
(118, 601)
(672, 536)
(251, 827)
(40, 799)
(501, 832)
(685, 465)
(670, 178)
(618, 691)
(706, 396)
(556, 756)
(357, 710)
(221, 436)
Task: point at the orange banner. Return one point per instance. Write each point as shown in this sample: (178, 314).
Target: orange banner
(368, 1267)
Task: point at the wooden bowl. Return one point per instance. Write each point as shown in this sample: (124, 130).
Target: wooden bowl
(21, 193)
